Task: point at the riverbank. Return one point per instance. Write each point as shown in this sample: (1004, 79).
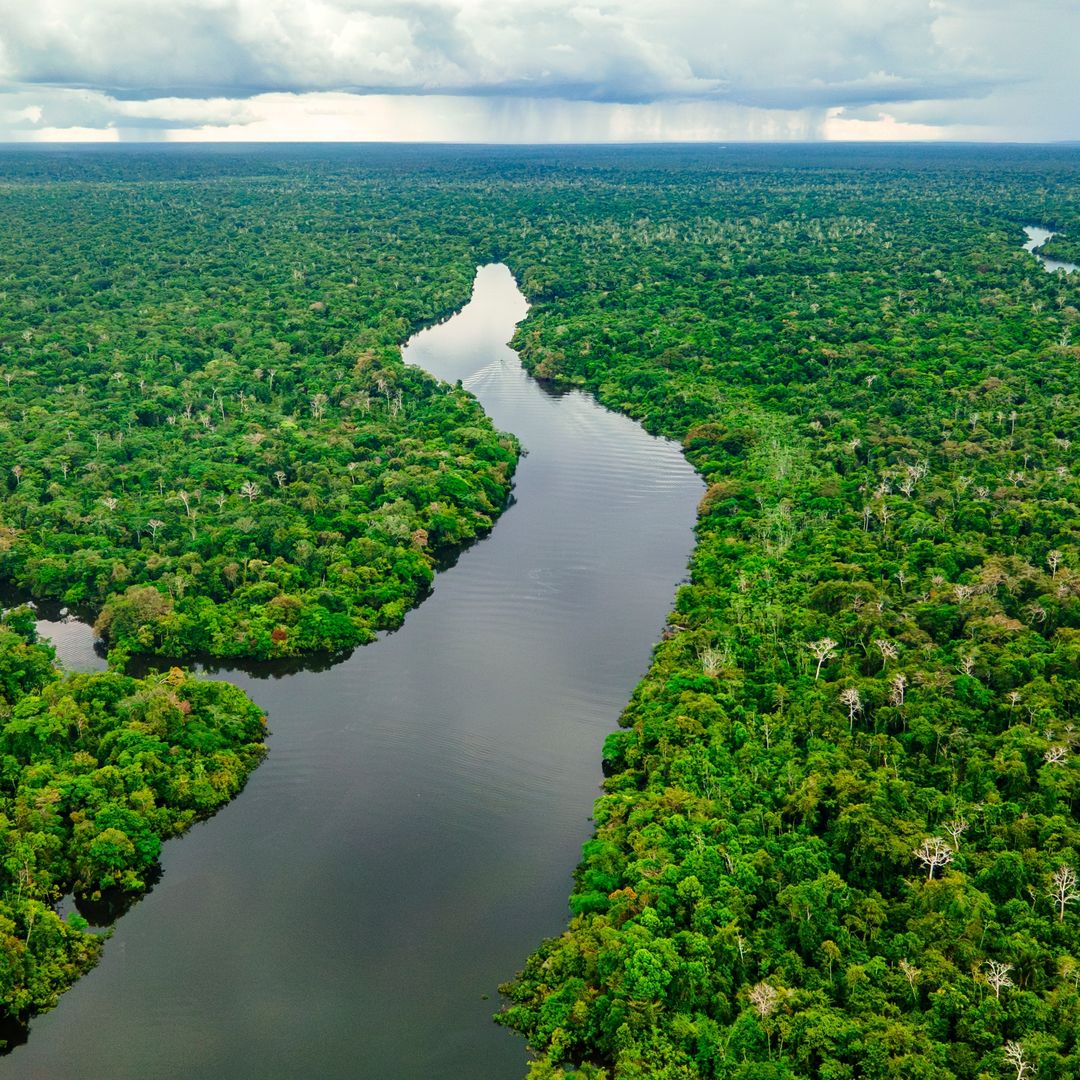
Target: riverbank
(847, 774)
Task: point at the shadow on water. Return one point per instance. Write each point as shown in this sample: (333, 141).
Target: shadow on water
(412, 834)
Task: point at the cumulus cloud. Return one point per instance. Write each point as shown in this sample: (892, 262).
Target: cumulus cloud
(717, 66)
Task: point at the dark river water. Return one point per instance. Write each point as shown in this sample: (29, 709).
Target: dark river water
(411, 836)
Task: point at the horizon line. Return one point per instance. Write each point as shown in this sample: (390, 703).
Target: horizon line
(159, 144)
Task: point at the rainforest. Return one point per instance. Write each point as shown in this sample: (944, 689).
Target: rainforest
(837, 833)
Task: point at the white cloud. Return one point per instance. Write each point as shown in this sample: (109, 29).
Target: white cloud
(722, 68)
(883, 127)
(74, 134)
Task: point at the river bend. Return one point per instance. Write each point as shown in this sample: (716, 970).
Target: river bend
(411, 836)
(1036, 237)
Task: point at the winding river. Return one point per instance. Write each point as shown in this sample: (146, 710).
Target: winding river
(1036, 237)
(411, 836)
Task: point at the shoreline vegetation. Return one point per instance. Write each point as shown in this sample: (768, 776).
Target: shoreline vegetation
(838, 835)
(97, 770)
(1061, 247)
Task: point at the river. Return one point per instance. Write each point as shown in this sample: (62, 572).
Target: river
(1037, 236)
(411, 836)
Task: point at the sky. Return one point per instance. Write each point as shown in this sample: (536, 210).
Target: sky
(529, 71)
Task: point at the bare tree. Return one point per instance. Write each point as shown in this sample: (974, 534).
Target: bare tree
(1054, 561)
(997, 975)
(956, 828)
(911, 973)
(932, 853)
(153, 525)
(384, 388)
(897, 688)
(888, 650)
(250, 490)
(823, 650)
(850, 698)
(1063, 888)
(764, 998)
(1055, 754)
(1014, 1055)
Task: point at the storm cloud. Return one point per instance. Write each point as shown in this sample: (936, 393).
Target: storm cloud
(611, 68)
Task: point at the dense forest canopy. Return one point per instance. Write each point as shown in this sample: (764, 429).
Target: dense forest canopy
(838, 836)
(208, 431)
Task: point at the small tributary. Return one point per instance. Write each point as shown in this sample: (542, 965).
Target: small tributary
(1036, 237)
(411, 836)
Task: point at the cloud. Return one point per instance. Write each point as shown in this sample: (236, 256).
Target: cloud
(972, 65)
(339, 116)
(881, 127)
(757, 52)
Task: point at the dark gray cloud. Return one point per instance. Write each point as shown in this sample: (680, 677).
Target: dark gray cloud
(774, 55)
